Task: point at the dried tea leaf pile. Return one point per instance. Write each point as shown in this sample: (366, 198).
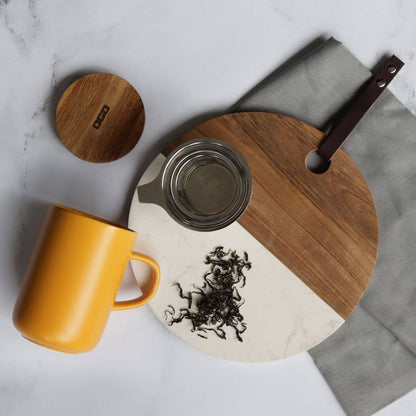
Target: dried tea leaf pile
(216, 304)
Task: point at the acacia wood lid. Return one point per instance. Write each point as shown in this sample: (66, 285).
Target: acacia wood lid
(100, 117)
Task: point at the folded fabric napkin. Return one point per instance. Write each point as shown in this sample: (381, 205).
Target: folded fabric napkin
(371, 360)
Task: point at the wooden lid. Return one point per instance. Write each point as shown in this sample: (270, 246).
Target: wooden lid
(100, 117)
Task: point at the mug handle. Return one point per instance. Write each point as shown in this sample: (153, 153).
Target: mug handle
(142, 300)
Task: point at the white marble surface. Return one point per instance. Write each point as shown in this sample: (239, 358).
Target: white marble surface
(186, 58)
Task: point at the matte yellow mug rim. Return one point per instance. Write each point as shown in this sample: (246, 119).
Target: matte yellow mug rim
(92, 217)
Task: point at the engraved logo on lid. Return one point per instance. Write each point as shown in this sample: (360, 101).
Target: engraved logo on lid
(101, 116)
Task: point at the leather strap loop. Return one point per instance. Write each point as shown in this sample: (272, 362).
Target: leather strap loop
(339, 133)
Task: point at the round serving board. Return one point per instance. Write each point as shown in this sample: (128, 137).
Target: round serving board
(311, 238)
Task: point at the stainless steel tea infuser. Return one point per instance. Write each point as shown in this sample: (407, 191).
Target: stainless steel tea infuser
(204, 184)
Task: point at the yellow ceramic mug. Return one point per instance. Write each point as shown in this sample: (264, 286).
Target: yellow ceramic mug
(72, 280)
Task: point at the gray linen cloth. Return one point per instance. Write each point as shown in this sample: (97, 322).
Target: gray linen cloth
(371, 360)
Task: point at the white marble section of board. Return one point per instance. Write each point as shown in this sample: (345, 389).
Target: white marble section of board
(283, 315)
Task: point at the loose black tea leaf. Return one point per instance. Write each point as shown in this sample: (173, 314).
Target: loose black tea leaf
(216, 304)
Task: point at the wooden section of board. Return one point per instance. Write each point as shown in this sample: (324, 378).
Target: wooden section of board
(323, 227)
(100, 117)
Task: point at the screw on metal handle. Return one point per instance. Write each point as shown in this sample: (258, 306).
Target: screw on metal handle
(339, 133)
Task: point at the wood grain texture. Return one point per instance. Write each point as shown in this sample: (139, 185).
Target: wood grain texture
(322, 227)
(100, 117)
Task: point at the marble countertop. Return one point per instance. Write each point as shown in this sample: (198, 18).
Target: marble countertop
(186, 58)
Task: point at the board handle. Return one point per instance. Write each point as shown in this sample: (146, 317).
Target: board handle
(343, 127)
